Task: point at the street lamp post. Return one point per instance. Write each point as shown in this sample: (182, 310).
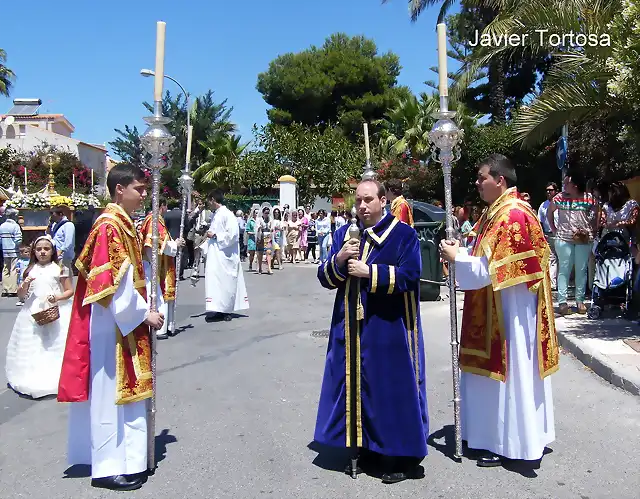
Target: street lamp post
(186, 187)
(150, 72)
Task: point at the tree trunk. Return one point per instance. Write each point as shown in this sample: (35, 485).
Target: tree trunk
(496, 92)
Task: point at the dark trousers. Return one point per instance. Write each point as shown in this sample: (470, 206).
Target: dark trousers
(243, 247)
(183, 261)
(190, 253)
(311, 247)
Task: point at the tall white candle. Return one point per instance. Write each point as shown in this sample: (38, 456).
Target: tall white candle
(25, 176)
(91, 180)
(189, 138)
(159, 77)
(366, 141)
(74, 183)
(443, 87)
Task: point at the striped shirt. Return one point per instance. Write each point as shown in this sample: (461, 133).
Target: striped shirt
(574, 214)
(10, 237)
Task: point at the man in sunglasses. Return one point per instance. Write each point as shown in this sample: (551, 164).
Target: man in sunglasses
(552, 190)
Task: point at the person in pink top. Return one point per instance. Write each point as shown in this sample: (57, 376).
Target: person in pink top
(304, 226)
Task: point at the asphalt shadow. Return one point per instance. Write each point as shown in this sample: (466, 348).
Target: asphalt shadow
(162, 440)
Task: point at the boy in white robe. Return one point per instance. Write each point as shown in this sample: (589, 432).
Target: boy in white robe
(106, 370)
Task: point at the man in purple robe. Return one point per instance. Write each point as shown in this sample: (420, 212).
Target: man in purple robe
(373, 398)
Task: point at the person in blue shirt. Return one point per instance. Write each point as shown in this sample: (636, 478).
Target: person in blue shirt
(63, 233)
(24, 254)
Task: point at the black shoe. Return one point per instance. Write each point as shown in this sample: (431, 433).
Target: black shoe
(162, 336)
(489, 460)
(118, 482)
(414, 473)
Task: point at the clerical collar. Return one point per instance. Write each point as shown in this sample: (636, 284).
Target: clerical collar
(373, 227)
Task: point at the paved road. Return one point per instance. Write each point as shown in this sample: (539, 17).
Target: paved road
(237, 406)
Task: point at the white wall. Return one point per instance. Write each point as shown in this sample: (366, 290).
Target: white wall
(92, 157)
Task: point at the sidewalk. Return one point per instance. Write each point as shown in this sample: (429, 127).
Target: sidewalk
(608, 346)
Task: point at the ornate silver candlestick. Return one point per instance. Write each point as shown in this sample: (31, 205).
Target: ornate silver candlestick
(445, 137)
(186, 186)
(156, 142)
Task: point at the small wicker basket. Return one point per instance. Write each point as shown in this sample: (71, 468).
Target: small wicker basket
(47, 316)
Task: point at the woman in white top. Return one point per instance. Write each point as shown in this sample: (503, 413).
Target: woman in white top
(277, 234)
(620, 213)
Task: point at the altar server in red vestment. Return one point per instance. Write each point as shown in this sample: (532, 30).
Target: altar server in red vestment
(399, 205)
(167, 251)
(508, 345)
(106, 371)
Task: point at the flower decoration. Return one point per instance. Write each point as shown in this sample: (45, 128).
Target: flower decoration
(37, 201)
(60, 200)
(17, 201)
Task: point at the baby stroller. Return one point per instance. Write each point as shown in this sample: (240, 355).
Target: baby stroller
(612, 284)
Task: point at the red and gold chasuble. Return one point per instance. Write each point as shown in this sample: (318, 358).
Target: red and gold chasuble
(166, 264)
(510, 236)
(111, 248)
(401, 210)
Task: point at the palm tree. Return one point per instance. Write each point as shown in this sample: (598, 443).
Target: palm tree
(223, 151)
(486, 11)
(7, 77)
(410, 121)
(575, 88)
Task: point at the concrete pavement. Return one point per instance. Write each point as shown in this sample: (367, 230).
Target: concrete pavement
(608, 346)
(236, 412)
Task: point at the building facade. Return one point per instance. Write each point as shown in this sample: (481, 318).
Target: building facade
(23, 128)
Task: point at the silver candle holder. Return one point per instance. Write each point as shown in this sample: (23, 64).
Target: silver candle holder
(445, 137)
(156, 142)
(186, 187)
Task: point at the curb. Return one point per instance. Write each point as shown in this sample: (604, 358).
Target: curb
(598, 363)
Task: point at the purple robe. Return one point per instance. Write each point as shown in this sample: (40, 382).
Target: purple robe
(391, 411)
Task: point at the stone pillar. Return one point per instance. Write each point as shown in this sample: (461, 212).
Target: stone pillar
(288, 191)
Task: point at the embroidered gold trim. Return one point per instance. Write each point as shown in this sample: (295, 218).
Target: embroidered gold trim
(135, 398)
(347, 341)
(416, 350)
(333, 269)
(133, 348)
(381, 239)
(374, 277)
(99, 270)
(513, 258)
(326, 274)
(358, 382)
(392, 279)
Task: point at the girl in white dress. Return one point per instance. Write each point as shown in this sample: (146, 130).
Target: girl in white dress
(34, 353)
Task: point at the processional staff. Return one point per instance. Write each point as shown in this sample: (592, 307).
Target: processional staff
(445, 137)
(156, 142)
(186, 186)
(354, 297)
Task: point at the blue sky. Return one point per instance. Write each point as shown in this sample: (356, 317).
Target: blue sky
(83, 58)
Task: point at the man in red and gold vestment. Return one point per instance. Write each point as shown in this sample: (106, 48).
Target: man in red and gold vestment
(166, 266)
(106, 370)
(508, 345)
(399, 205)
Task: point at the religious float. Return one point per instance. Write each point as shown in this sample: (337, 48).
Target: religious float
(35, 207)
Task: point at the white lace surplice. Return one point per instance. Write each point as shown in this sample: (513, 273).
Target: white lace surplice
(34, 353)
